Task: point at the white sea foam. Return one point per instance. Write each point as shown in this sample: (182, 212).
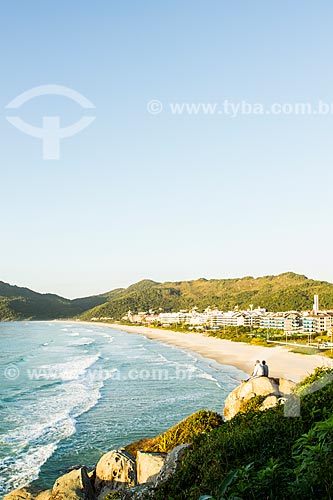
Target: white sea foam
(36, 422)
(51, 418)
(82, 341)
(105, 336)
(163, 358)
(25, 468)
(208, 376)
(71, 370)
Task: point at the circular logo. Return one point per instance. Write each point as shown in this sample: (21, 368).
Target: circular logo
(11, 372)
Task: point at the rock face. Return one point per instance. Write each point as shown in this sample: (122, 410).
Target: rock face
(171, 465)
(271, 388)
(75, 485)
(141, 492)
(45, 495)
(115, 471)
(28, 493)
(148, 465)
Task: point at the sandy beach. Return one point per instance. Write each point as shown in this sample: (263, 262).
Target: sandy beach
(281, 362)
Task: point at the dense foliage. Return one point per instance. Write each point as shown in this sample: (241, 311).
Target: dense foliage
(184, 432)
(287, 291)
(263, 455)
(284, 292)
(18, 303)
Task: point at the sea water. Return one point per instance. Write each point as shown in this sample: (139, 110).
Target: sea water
(71, 391)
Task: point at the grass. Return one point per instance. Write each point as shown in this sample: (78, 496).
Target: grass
(305, 350)
(185, 431)
(263, 455)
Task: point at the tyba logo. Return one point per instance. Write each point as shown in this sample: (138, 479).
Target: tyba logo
(50, 133)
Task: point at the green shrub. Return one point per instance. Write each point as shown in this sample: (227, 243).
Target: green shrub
(185, 431)
(262, 455)
(112, 496)
(252, 404)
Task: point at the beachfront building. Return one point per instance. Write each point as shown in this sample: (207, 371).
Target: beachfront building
(168, 318)
(291, 322)
(273, 321)
(317, 323)
(229, 318)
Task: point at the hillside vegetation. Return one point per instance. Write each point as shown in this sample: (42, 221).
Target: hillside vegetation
(17, 303)
(263, 455)
(286, 291)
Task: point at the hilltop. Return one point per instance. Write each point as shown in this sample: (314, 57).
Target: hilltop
(17, 303)
(287, 291)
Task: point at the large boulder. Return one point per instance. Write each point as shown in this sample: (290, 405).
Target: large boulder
(28, 493)
(148, 465)
(115, 471)
(45, 495)
(171, 465)
(141, 492)
(74, 485)
(268, 387)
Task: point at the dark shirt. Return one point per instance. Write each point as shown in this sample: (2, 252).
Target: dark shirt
(265, 367)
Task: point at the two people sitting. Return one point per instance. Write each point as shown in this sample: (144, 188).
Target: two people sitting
(260, 370)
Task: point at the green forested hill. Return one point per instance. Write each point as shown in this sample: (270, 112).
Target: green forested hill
(22, 303)
(283, 292)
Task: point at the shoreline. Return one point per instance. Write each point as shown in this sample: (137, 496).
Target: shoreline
(282, 363)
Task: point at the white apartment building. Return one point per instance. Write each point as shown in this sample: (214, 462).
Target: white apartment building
(317, 323)
(290, 322)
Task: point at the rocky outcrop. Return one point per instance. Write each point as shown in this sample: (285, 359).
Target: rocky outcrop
(29, 493)
(171, 465)
(141, 492)
(148, 465)
(45, 495)
(75, 485)
(272, 389)
(115, 471)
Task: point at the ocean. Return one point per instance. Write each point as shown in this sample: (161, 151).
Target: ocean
(70, 392)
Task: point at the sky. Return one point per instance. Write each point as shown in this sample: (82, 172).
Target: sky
(159, 195)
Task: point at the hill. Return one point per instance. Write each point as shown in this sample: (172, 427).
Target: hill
(17, 303)
(288, 291)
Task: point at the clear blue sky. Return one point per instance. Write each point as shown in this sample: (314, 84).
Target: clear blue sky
(166, 197)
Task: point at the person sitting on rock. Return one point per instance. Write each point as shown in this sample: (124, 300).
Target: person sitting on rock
(265, 368)
(258, 370)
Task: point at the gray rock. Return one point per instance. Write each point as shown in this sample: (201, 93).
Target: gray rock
(172, 463)
(269, 402)
(148, 465)
(141, 492)
(270, 388)
(75, 485)
(45, 495)
(28, 493)
(286, 387)
(115, 471)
